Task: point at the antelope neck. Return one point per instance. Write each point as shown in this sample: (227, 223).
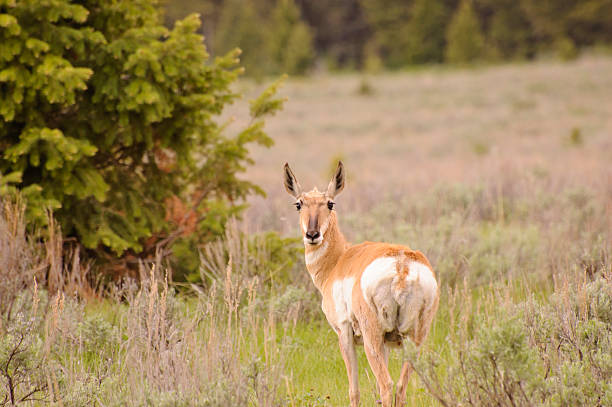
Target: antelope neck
(321, 259)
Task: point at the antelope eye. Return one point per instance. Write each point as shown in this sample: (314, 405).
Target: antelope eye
(330, 205)
(298, 205)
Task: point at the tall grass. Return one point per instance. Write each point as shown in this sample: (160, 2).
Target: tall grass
(518, 231)
(143, 346)
(525, 274)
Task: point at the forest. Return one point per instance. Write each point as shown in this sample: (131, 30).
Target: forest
(299, 36)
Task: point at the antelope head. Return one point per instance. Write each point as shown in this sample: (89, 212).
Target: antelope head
(316, 208)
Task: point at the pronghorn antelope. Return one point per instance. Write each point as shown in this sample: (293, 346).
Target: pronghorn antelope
(375, 294)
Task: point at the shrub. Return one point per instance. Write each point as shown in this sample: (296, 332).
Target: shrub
(155, 349)
(552, 354)
(107, 118)
(22, 353)
(266, 257)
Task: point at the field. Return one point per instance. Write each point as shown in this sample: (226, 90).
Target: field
(484, 170)
(500, 175)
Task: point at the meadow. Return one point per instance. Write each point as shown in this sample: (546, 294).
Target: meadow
(500, 175)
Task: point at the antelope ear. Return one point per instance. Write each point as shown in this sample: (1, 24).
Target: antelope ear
(336, 185)
(291, 184)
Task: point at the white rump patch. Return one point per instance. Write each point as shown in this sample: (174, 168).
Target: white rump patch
(377, 288)
(313, 256)
(397, 306)
(379, 270)
(417, 296)
(422, 274)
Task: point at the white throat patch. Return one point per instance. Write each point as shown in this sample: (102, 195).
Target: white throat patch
(314, 256)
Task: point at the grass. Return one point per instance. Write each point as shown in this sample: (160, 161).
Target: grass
(316, 367)
(427, 122)
(322, 378)
(473, 167)
(500, 175)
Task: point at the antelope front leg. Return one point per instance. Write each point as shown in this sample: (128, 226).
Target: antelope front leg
(347, 348)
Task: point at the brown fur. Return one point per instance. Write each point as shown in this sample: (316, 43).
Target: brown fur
(339, 261)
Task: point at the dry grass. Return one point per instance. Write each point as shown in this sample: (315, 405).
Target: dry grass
(500, 175)
(20, 261)
(144, 345)
(499, 125)
(480, 169)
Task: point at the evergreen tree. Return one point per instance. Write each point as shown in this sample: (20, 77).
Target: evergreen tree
(241, 26)
(388, 19)
(291, 38)
(568, 25)
(509, 33)
(590, 22)
(465, 42)
(507, 29)
(107, 118)
(403, 32)
(340, 30)
(549, 21)
(425, 32)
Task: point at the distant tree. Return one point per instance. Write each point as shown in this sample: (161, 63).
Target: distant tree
(464, 39)
(209, 11)
(340, 28)
(349, 33)
(508, 31)
(240, 25)
(389, 21)
(568, 25)
(108, 118)
(426, 40)
(291, 39)
(549, 21)
(590, 22)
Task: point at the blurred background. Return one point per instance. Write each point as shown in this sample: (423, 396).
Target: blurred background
(298, 36)
(412, 94)
(150, 256)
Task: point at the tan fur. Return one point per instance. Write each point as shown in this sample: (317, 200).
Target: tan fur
(340, 262)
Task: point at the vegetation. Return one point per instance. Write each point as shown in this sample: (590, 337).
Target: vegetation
(272, 42)
(136, 347)
(249, 339)
(108, 119)
(552, 354)
(464, 38)
(400, 33)
(504, 225)
(114, 152)
(521, 248)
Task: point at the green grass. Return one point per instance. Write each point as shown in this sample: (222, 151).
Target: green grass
(316, 371)
(315, 367)
(526, 218)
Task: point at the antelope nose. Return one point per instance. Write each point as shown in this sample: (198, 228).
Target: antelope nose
(313, 234)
